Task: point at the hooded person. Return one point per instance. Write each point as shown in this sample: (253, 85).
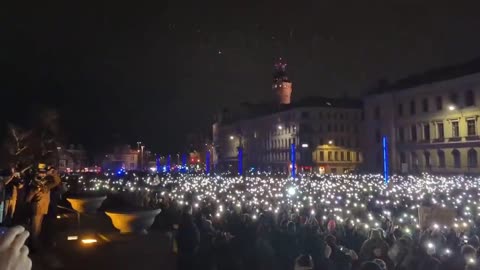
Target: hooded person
(374, 247)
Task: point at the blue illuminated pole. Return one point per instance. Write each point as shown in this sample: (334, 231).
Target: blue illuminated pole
(157, 160)
(385, 160)
(207, 162)
(293, 158)
(169, 160)
(184, 162)
(240, 160)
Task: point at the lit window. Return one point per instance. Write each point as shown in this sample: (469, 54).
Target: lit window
(455, 129)
(471, 127)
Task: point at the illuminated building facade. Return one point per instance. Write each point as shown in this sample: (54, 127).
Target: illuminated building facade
(431, 123)
(324, 130)
(122, 158)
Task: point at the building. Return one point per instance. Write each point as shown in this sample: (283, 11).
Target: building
(74, 158)
(122, 158)
(430, 122)
(324, 131)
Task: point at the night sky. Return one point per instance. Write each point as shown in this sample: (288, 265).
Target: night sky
(123, 71)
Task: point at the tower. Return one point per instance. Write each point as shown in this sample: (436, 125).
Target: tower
(282, 86)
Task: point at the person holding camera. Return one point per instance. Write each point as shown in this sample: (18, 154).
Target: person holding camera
(39, 198)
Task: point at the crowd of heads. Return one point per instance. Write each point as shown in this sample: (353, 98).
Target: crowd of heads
(315, 221)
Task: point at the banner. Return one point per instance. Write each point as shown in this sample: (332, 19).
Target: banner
(427, 216)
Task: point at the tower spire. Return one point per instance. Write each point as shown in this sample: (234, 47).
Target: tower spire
(282, 86)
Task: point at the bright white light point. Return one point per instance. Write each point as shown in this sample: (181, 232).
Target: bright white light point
(451, 107)
(280, 127)
(291, 191)
(430, 245)
(231, 137)
(254, 216)
(305, 145)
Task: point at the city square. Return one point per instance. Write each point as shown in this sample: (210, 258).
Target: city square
(251, 135)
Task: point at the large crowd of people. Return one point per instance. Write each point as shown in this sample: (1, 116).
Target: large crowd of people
(322, 222)
(266, 221)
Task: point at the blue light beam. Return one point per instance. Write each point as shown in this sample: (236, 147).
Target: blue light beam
(293, 158)
(385, 160)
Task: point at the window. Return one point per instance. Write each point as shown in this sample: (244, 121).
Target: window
(412, 107)
(335, 127)
(413, 133)
(322, 156)
(329, 156)
(328, 115)
(62, 163)
(425, 105)
(439, 103)
(456, 158)
(305, 115)
(454, 98)
(378, 138)
(320, 115)
(357, 157)
(427, 160)
(471, 127)
(349, 156)
(376, 113)
(342, 156)
(334, 115)
(401, 134)
(336, 155)
(132, 166)
(426, 132)
(440, 131)
(400, 109)
(342, 141)
(403, 158)
(342, 128)
(441, 159)
(329, 127)
(455, 129)
(414, 160)
(355, 128)
(341, 115)
(469, 98)
(472, 158)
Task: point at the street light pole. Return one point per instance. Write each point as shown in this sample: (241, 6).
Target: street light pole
(141, 152)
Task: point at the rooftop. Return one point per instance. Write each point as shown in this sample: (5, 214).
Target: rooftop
(262, 109)
(430, 76)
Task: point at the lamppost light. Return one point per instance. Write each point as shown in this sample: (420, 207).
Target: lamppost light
(451, 107)
(330, 142)
(304, 145)
(280, 127)
(231, 137)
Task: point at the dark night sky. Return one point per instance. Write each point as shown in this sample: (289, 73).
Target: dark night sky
(152, 70)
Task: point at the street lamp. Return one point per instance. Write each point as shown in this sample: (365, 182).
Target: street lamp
(231, 137)
(280, 127)
(330, 142)
(138, 146)
(452, 107)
